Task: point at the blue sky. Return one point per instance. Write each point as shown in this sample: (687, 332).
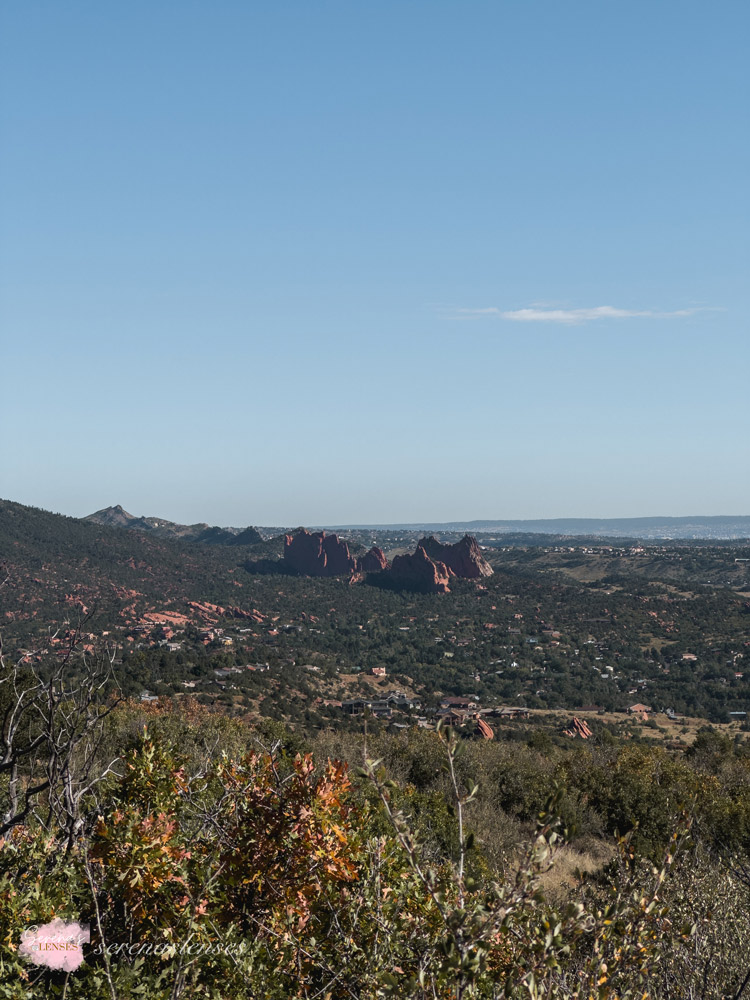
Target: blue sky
(312, 262)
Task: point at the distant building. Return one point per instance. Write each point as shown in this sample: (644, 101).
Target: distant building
(401, 701)
(451, 716)
(354, 706)
(222, 672)
(380, 706)
(639, 709)
(509, 713)
(462, 703)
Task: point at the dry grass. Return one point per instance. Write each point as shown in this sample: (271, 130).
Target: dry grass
(668, 729)
(349, 683)
(585, 857)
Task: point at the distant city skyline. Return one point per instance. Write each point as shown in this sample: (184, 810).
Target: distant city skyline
(339, 264)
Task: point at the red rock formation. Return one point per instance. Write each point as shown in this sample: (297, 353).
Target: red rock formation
(338, 561)
(213, 611)
(419, 572)
(318, 554)
(304, 552)
(164, 618)
(373, 561)
(464, 559)
(580, 728)
(485, 731)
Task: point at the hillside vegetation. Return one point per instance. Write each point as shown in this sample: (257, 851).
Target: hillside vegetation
(255, 784)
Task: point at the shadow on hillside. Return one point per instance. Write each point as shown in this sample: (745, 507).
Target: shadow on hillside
(268, 567)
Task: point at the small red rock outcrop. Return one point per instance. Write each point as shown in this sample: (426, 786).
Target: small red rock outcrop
(419, 572)
(464, 559)
(212, 612)
(318, 554)
(484, 730)
(578, 727)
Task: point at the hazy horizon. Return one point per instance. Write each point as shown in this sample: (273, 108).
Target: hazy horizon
(398, 523)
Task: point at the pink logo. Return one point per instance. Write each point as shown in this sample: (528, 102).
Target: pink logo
(56, 944)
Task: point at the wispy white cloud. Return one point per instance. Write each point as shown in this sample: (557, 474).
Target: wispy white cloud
(571, 317)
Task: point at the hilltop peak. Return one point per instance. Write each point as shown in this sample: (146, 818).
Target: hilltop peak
(118, 517)
(115, 516)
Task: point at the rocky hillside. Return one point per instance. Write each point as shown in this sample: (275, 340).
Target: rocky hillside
(118, 517)
(56, 566)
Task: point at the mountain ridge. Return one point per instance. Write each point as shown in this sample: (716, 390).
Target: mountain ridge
(202, 532)
(696, 526)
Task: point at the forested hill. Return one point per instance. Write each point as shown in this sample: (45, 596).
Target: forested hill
(51, 560)
(552, 627)
(202, 533)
